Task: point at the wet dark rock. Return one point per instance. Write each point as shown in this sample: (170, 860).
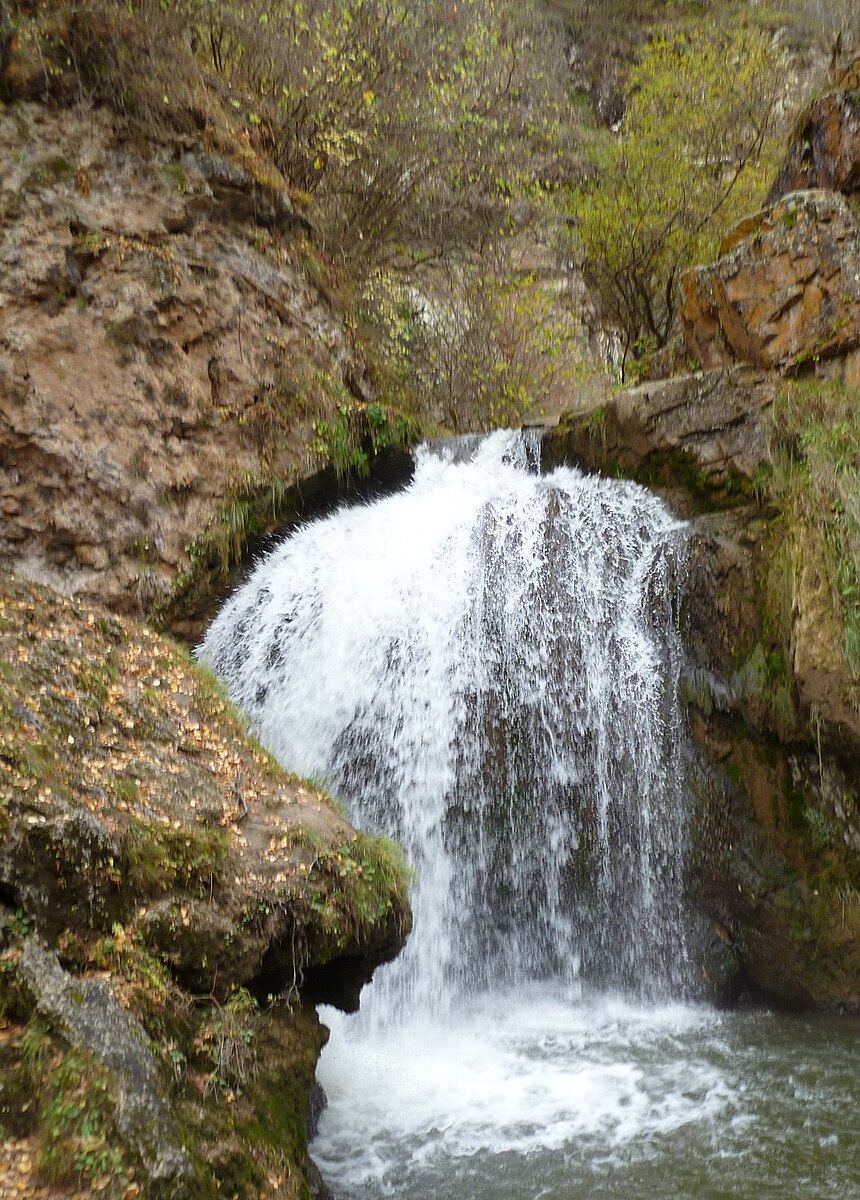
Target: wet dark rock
(824, 151)
(54, 860)
(701, 434)
(317, 1104)
(775, 733)
(241, 197)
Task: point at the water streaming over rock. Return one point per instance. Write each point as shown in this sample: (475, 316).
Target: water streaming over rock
(486, 666)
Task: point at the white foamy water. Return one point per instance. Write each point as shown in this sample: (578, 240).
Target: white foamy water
(545, 1095)
(510, 1073)
(486, 666)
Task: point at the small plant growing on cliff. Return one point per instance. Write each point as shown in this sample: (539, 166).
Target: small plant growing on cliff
(358, 432)
(371, 877)
(814, 452)
(76, 1119)
(228, 1038)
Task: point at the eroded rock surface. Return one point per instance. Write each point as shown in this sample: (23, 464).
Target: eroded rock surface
(774, 707)
(192, 901)
(87, 1015)
(707, 427)
(824, 151)
(166, 346)
(784, 292)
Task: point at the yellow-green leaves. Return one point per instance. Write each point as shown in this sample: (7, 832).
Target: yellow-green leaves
(692, 155)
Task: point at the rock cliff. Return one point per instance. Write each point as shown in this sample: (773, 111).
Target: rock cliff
(761, 451)
(171, 904)
(176, 374)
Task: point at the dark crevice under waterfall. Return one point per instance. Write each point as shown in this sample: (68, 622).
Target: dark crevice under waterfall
(486, 667)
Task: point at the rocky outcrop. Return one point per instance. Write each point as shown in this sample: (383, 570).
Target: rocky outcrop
(86, 1014)
(705, 431)
(772, 702)
(824, 151)
(131, 793)
(186, 885)
(772, 687)
(168, 343)
(784, 292)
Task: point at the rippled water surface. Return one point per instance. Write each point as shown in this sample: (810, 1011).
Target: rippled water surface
(554, 1096)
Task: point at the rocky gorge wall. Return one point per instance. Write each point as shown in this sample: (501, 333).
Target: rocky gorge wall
(760, 449)
(177, 379)
(177, 376)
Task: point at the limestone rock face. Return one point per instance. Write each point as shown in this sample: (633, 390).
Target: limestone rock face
(784, 291)
(168, 338)
(825, 152)
(87, 1015)
(704, 429)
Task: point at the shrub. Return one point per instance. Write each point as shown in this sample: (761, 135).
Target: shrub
(692, 156)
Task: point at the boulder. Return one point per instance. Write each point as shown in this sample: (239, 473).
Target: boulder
(130, 794)
(85, 1012)
(784, 292)
(704, 430)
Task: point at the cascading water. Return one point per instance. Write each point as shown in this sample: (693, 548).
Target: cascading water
(486, 667)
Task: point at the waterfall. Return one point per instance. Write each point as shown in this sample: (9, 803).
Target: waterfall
(485, 666)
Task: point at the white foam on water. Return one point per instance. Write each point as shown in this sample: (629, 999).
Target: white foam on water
(486, 665)
(510, 1074)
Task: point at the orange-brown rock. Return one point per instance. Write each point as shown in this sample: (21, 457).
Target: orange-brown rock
(160, 351)
(825, 149)
(845, 63)
(784, 291)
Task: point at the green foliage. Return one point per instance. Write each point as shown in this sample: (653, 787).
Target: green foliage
(76, 1120)
(358, 432)
(486, 342)
(371, 877)
(815, 474)
(159, 857)
(50, 171)
(691, 157)
(396, 118)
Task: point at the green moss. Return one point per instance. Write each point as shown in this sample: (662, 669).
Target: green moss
(815, 440)
(95, 676)
(593, 424)
(228, 1037)
(158, 858)
(696, 691)
(127, 333)
(795, 807)
(77, 1143)
(47, 173)
(243, 1136)
(175, 177)
(371, 881)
